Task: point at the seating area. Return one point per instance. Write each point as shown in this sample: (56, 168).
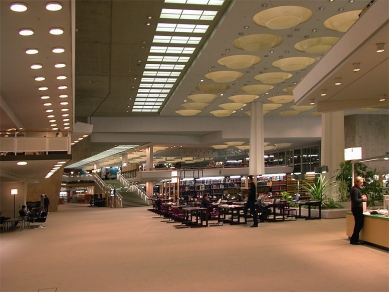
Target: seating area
(225, 211)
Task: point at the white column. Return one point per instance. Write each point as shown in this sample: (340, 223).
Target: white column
(257, 165)
(149, 158)
(332, 144)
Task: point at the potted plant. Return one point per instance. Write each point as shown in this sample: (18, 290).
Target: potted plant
(317, 191)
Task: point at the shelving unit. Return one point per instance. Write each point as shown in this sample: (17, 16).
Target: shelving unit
(215, 188)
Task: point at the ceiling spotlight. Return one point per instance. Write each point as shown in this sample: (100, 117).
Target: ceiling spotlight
(357, 67)
(338, 81)
(312, 101)
(380, 47)
(56, 31)
(323, 92)
(18, 7)
(26, 32)
(36, 66)
(53, 6)
(382, 97)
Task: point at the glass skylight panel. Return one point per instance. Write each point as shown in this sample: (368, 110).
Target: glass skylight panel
(155, 85)
(176, 40)
(161, 96)
(149, 90)
(150, 99)
(197, 2)
(171, 50)
(164, 67)
(185, 28)
(188, 14)
(171, 59)
(162, 73)
(159, 80)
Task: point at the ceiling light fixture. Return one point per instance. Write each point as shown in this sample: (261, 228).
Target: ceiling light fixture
(26, 32)
(382, 97)
(45, 97)
(312, 101)
(32, 51)
(342, 21)
(63, 96)
(282, 17)
(323, 92)
(56, 31)
(21, 163)
(53, 6)
(39, 78)
(380, 47)
(338, 81)
(36, 66)
(357, 67)
(60, 65)
(18, 7)
(43, 88)
(58, 50)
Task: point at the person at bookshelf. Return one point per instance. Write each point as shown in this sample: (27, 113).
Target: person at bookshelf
(357, 200)
(251, 199)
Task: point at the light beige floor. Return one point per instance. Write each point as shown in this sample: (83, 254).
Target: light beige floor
(101, 249)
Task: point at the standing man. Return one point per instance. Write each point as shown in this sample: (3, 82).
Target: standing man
(251, 201)
(357, 208)
(46, 203)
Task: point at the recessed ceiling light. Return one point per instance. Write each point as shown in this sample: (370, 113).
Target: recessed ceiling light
(357, 67)
(45, 97)
(323, 92)
(18, 7)
(60, 65)
(58, 50)
(50, 116)
(36, 66)
(380, 47)
(52, 121)
(32, 51)
(62, 77)
(56, 31)
(39, 78)
(382, 97)
(62, 87)
(64, 103)
(43, 88)
(53, 6)
(65, 115)
(26, 31)
(65, 120)
(66, 124)
(21, 163)
(64, 109)
(66, 128)
(49, 111)
(63, 96)
(338, 81)
(312, 101)
(53, 125)
(47, 104)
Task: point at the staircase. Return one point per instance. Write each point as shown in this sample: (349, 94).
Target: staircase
(130, 199)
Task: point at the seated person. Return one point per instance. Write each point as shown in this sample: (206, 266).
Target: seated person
(263, 210)
(23, 211)
(205, 202)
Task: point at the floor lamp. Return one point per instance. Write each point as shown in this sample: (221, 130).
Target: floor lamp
(14, 192)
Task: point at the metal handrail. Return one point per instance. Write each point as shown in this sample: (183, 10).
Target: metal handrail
(134, 188)
(115, 201)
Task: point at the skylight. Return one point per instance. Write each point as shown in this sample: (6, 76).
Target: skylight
(184, 28)
(176, 40)
(162, 73)
(188, 14)
(110, 152)
(197, 2)
(171, 50)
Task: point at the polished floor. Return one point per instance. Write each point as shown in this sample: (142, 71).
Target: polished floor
(101, 249)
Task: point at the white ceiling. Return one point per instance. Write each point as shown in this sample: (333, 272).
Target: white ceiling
(109, 43)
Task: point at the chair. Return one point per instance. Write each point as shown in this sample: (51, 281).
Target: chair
(290, 212)
(41, 219)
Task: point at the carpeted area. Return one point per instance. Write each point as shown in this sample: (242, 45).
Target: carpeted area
(129, 249)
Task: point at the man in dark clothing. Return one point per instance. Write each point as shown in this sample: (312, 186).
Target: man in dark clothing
(252, 197)
(46, 203)
(357, 208)
(205, 203)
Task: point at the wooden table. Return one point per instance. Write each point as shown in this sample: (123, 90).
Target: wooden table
(196, 216)
(235, 213)
(309, 204)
